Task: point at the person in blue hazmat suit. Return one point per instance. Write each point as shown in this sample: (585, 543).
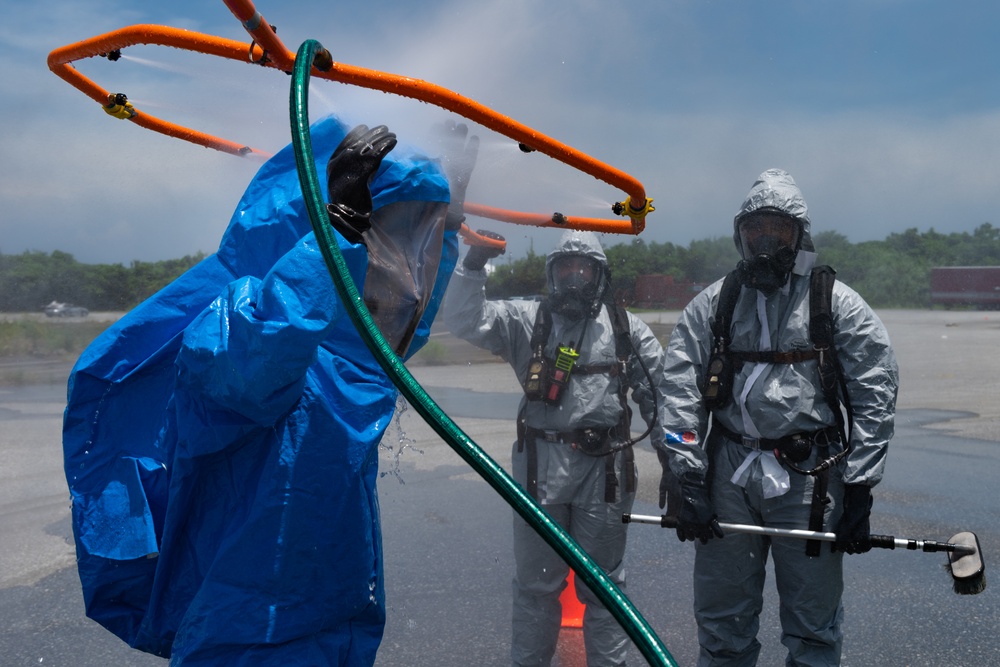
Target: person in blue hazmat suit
(754, 454)
(572, 454)
(221, 439)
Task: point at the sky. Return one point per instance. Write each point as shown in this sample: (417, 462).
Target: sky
(886, 112)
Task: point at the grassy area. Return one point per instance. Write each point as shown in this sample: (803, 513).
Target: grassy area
(43, 351)
(47, 339)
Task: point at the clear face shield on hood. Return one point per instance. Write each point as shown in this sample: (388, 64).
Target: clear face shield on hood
(769, 242)
(404, 253)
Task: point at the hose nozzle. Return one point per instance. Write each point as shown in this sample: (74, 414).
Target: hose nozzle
(119, 106)
(638, 215)
(323, 60)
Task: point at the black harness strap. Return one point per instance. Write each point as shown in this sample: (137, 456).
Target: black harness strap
(723, 321)
(526, 441)
(817, 508)
(821, 334)
(623, 350)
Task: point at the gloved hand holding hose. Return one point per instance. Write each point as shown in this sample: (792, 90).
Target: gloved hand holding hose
(349, 173)
(478, 255)
(696, 519)
(854, 530)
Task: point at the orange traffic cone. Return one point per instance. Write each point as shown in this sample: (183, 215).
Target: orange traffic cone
(572, 608)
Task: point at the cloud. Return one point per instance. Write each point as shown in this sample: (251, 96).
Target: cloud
(681, 97)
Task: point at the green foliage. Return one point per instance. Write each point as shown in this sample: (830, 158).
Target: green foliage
(524, 277)
(31, 280)
(893, 273)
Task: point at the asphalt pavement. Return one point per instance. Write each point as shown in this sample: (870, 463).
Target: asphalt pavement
(447, 535)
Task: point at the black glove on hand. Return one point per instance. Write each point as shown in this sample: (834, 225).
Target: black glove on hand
(478, 255)
(696, 519)
(459, 158)
(349, 173)
(853, 530)
(670, 488)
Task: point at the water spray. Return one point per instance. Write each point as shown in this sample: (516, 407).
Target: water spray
(267, 50)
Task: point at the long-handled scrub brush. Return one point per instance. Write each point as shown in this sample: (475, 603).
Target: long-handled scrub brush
(965, 558)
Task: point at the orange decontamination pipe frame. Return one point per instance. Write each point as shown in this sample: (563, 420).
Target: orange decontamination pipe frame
(268, 50)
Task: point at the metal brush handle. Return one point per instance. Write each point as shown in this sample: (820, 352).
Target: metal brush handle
(878, 541)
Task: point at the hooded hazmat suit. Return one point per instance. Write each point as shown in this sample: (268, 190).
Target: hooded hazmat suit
(571, 484)
(749, 485)
(221, 439)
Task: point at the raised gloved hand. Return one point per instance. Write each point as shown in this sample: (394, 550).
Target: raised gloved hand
(696, 519)
(478, 255)
(349, 173)
(853, 530)
(459, 158)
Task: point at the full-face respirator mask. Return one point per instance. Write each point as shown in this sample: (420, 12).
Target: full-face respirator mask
(577, 282)
(769, 244)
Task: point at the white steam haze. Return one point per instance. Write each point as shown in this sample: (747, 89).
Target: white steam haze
(887, 113)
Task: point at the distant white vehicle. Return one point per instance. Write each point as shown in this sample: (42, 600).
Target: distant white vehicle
(56, 309)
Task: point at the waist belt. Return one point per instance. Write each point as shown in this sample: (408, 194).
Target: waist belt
(772, 357)
(592, 441)
(584, 438)
(824, 437)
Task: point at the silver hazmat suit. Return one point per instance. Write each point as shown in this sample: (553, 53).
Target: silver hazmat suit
(753, 487)
(571, 484)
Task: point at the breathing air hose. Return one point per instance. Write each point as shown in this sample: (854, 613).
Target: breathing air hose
(586, 569)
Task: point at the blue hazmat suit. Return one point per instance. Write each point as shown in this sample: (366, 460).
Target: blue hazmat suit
(572, 484)
(221, 439)
(749, 485)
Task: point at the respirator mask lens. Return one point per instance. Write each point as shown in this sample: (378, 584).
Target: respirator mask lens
(763, 233)
(575, 273)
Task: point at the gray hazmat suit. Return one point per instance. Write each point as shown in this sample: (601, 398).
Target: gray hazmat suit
(571, 484)
(748, 486)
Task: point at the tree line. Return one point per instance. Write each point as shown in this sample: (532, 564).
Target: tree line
(33, 279)
(893, 273)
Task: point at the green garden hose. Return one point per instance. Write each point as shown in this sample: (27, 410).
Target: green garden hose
(581, 563)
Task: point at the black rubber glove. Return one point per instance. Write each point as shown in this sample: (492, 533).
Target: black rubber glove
(478, 255)
(854, 530)
(459, 158)
(696, 519)
(349, 173)
(670, 488)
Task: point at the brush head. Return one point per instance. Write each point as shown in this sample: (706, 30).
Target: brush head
(967, 568)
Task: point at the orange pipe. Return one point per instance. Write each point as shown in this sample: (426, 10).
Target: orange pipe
(433, 94)
(60, 58)
(266, 43)
(564, 222)
(263, 33)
